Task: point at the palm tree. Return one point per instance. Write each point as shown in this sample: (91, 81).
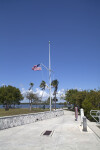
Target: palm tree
(29, 96)
(31, 85)
(54, 84)
(43, 86)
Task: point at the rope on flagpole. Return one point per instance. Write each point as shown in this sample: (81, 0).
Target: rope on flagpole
(46, 67)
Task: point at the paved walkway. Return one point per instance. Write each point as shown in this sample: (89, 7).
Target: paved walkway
(94, 127)
(67, 135)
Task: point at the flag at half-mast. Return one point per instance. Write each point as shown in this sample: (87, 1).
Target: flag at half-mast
(36, 67)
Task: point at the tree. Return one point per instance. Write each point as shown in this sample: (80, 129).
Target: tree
(31, 85)
(36, 100)
(17, 96)
(80, 97)
(87, 100)
(92, 101)
(43, 86)
(48, 101)
(75, 97)
(10, 95)
(54, 84)
(30, 95)
(70, 96)
(33, 98)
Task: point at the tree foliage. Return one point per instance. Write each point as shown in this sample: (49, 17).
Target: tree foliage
(43, 85)
(10, 95)
(48, 101)
(30, 95)
(91, 102)
(31, 85)
(33, 98)
(54, 84)
(84, 99)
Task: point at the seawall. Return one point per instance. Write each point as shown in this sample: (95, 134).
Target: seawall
(18, 120)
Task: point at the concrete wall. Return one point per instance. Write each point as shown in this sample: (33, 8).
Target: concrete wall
(13, 121)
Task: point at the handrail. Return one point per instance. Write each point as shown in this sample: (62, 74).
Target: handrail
(95, 114)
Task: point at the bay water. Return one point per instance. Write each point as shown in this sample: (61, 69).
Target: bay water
(35, 106)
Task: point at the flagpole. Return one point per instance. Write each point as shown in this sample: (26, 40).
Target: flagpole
(49, 76)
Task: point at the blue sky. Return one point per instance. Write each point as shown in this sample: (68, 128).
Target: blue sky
(72, 26)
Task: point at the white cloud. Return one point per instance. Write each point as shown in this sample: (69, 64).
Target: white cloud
(3, 84)
(23, 91)
(61, 93)
(44, 94)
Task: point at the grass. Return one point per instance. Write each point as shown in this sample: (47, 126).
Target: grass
(18, 111)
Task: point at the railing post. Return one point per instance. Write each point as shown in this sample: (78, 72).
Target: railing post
(84, 124)
(98, 114)
(81, 115)
(76, 113)
(99, 119)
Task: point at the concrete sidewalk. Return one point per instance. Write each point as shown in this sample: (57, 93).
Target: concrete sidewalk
(95, 127)
(67, 134)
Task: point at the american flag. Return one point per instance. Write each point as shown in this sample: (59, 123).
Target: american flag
(36, 67)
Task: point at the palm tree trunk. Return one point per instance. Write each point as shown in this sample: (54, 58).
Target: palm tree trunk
(55, 102)
(41, 97)
(36, 105)
(30, 104)
(6, 107)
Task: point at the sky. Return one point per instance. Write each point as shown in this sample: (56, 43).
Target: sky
(73, 29)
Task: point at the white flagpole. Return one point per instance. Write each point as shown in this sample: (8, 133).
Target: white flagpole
(49, 76)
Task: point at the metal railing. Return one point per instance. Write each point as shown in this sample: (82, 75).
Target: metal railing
(95, 114)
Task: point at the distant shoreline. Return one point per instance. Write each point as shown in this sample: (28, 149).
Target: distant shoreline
(27, 105)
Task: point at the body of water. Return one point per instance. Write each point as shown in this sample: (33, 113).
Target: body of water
(35, 106)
